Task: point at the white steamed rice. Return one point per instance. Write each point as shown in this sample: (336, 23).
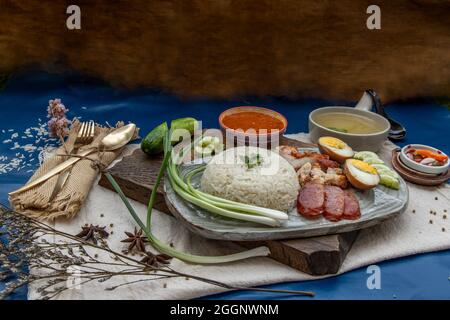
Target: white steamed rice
(273, 184)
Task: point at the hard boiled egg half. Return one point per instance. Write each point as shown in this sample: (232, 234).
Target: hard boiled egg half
(361, 174)
(336, 149)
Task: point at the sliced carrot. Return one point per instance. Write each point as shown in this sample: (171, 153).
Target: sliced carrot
(430, 154)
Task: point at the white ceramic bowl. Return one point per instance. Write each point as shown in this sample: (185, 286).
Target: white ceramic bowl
(359, 142)
(421, 167)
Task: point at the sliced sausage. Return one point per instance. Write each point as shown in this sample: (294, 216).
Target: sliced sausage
(334, 203)
(311, 200)
(351, 206)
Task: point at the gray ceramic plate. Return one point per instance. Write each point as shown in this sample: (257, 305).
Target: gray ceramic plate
(377, 205)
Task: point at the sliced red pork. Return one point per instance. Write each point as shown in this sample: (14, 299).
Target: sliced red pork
(334, 203)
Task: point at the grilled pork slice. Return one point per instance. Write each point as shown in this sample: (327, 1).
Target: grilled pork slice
(334, 203)
(311, 199)
(351, 206)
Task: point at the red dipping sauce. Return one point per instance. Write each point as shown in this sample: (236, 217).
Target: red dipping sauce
(252, 120)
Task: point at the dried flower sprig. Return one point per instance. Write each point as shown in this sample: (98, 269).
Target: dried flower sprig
(54, 262)
(58, 125)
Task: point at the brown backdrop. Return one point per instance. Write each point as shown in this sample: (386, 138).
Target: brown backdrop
(226, 48)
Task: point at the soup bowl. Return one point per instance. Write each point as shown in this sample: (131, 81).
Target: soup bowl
(252, 137)
(370, 141)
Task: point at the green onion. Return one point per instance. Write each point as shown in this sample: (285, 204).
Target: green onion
(233, 205)
(160, 245)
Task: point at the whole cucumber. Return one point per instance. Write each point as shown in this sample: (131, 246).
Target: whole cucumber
(153, 143)
(188, 123)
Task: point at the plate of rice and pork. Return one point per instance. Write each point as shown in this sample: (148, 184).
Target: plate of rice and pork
(249, 193)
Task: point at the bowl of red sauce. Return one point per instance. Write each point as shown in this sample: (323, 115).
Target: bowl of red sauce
(252, 125)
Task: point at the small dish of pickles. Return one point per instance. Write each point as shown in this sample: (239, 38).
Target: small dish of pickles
(424, 159)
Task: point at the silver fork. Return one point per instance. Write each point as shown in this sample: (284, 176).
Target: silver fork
(85, 135)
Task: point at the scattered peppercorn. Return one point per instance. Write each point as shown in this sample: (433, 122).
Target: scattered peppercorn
(112, 232)
(102, 215)
(435, 198)
(414, 211)
(431, 211)
(444, 216)
(165, 285)
(445, 210)
(431, 221)
(443, 229)
(171, 244)
(111, 225)
(95, 255)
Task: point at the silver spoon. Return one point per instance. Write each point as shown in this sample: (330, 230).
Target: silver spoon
(113, 141)
(397, 131)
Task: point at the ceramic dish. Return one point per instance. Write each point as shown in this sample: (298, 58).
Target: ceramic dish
(247, 136)
(369, 141)
(421, 167)
(424, 179)
(376, 205)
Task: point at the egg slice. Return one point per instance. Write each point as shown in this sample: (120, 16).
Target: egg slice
(336, 149)
(361, 174)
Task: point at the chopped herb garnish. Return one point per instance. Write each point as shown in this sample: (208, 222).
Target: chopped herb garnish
(337, 129)
(252, 161)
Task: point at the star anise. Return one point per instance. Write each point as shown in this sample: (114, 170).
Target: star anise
(92, 233)
(136, 239)
(155, 260)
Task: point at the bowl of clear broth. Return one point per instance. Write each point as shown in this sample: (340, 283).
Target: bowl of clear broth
(252, 125)
(360, 128)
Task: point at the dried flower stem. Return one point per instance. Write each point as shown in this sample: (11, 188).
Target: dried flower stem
(51, 262)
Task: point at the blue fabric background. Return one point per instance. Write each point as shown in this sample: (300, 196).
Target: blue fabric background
(26, 96)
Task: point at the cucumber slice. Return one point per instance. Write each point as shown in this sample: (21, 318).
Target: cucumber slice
(389, 181)
(362, 155)
(384, 169)
(373, 161)
(207, 145)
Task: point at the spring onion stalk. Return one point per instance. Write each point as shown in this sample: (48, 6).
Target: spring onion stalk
(182, 189)
(223, 212)
(165, 248)
(217, 201)
(233, 205)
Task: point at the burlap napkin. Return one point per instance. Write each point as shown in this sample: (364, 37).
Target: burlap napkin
(36, 202)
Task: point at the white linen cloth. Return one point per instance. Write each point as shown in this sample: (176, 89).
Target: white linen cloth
(408, 234)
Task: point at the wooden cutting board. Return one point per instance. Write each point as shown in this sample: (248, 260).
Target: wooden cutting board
(136, 175)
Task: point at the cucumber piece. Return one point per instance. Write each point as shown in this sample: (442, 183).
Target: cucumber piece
(208, 145)
(373, 161)
(189, 124)
(384, 169)
(389, 181)
(153, 143)
(362, 155)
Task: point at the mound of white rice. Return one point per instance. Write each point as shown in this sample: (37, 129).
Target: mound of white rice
(271, 182)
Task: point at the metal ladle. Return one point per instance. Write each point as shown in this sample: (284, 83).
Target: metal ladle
(112, 141)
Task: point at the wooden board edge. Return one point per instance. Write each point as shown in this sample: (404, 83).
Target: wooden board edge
(136, 192)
